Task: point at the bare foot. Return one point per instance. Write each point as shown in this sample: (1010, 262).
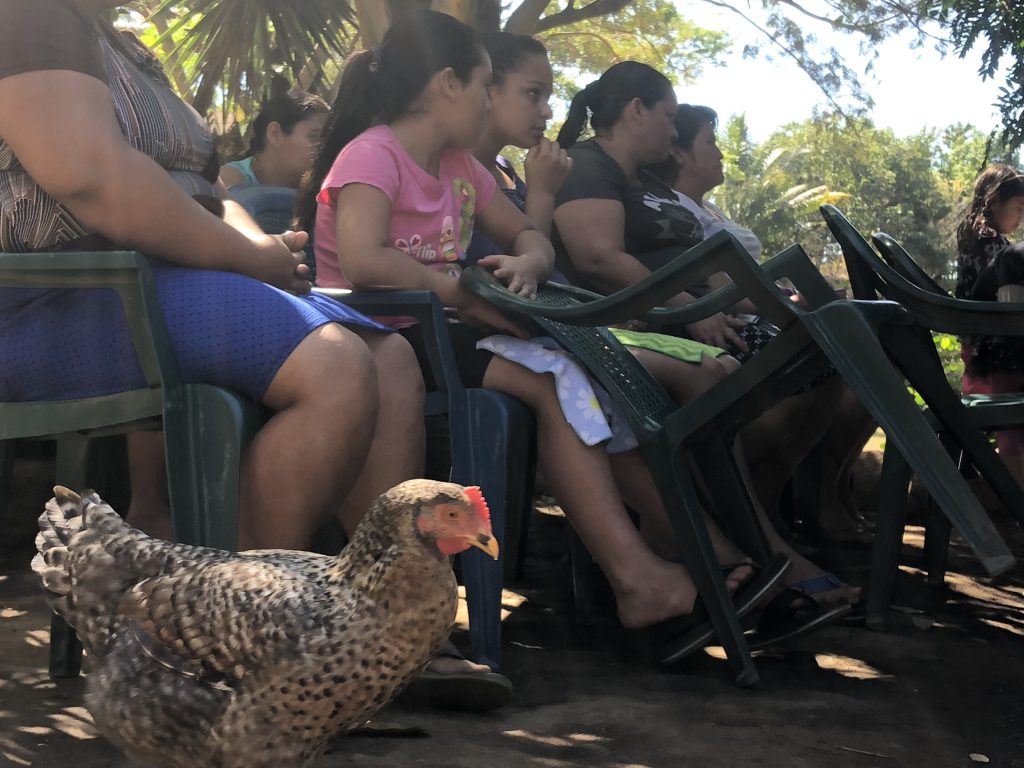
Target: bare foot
(446, 665)
(667, 592)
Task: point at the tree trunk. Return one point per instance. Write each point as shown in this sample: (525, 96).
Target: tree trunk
(374, 20)
(463, 10)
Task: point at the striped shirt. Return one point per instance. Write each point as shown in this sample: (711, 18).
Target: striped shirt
(153, 119)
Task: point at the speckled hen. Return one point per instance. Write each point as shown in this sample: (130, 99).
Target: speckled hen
(201, 657)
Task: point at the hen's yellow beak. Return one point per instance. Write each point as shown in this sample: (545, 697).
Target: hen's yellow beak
(483, 541)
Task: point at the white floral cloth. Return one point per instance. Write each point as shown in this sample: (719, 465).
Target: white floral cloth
(586, 405)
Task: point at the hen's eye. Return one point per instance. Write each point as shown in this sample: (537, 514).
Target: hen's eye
(452, 514)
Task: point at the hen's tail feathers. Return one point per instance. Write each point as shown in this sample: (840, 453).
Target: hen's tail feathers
(65, 515)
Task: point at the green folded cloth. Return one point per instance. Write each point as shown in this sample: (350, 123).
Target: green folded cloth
(686, 350)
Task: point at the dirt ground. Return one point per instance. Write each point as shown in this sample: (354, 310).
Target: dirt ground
(943, 685)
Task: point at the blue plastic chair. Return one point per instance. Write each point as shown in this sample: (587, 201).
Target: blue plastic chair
(272, 208)
(492, 444)
(206, 428)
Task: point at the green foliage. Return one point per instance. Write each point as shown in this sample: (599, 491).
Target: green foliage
(882, 182)
(948, 347)
(766, 188)
(997, 28)
(231, 49)
(649, 31)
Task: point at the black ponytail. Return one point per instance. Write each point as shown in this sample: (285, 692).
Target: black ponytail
(606, 97)
(576, 120)
(380, 84)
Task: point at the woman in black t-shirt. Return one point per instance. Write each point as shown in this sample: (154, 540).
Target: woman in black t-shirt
(614, 223)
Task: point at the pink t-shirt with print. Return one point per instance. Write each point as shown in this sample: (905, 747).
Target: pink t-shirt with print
(431, 218)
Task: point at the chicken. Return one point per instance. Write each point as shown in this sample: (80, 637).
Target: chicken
(214, 659)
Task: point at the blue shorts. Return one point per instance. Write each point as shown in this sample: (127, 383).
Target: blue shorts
(225, 329)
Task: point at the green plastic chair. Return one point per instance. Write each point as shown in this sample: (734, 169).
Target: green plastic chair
(846, 334)
(960, 422)
(991, 412)
(206, 428)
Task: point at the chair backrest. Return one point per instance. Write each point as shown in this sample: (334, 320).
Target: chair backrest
(856, 253)
(273, 208)
(127, 273)
(935, 311)
(900, 259)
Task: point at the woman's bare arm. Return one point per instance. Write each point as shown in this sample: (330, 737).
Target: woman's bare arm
(592, 231)
(61, 126)
(370, 263)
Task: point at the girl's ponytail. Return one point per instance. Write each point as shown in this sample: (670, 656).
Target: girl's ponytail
(357, 104)
(381, 84)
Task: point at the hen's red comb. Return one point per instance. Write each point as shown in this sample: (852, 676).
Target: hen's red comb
(476, 498)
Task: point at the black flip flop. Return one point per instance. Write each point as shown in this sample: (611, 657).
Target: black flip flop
(680, 636)
(793, 614)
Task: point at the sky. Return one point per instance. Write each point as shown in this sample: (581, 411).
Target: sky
(912, 89)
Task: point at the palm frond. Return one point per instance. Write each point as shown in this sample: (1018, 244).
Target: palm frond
(229, 50)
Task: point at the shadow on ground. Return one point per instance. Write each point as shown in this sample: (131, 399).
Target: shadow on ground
(945, 683)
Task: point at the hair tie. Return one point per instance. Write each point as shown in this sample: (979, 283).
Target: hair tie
(375, 59)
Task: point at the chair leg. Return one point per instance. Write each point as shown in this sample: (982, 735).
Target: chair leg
(937, 528)
(959, 428)
(807, 490)
(65, 648)
(582, 566)
(490, 449)
(729, 488)
(205, 441)
(892, 514)
(687, 516)
(843, 332)
(936, 546)
(6, 476)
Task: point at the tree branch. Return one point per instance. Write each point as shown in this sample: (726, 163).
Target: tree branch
(523, 20)
(785, 49)
(572, 14)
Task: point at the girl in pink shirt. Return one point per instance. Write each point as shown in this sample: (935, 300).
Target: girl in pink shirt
(395, 193)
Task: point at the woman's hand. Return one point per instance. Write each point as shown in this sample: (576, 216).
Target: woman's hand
(477, 312)
(718, 330)
(520, 274)
(547, 166)
(281, 262)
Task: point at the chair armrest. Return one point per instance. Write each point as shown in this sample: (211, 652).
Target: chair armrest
(756, 282)
(126, 272)
(70, 269)
(591, 309)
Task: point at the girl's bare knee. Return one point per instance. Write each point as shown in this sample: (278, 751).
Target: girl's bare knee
(396, 361)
